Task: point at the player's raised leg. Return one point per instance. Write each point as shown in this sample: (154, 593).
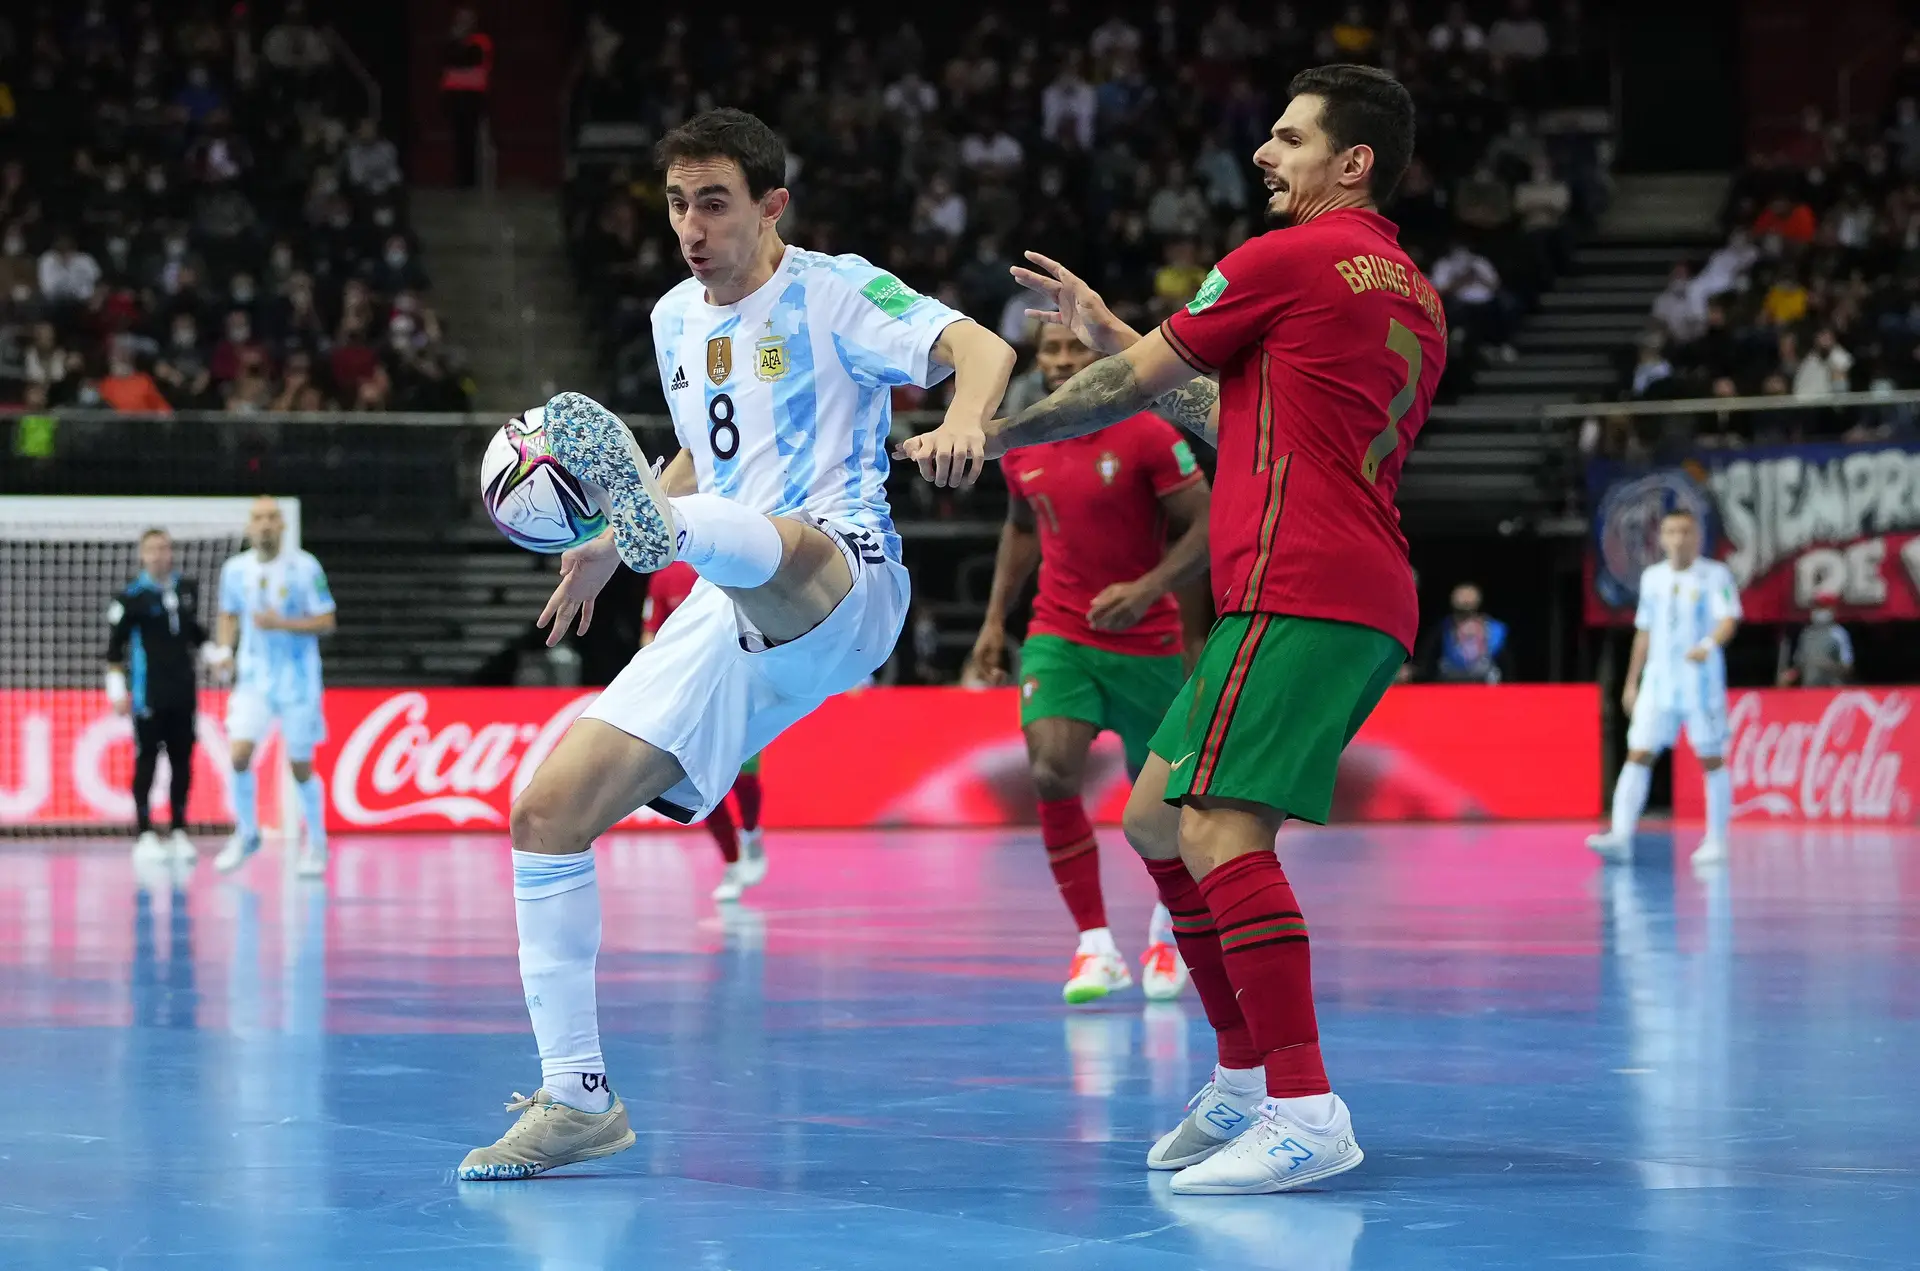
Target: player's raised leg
(1231, 1097)
(596, 776)
(1057, 748)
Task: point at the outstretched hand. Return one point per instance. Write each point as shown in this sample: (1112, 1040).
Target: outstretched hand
(583, 572)
(1073, 305)
(954, 454)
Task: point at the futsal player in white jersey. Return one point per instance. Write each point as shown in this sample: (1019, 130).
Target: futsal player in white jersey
(779, 366)
(274, 607)
(1689, 609)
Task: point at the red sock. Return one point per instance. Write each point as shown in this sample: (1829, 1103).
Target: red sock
(720, 825)
(1200, 949)
(1074, 856)
(1264, 942)
(746, 792)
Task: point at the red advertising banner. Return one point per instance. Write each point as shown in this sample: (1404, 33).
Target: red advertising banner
(453, 759)
(1814, 756)
(67, 760)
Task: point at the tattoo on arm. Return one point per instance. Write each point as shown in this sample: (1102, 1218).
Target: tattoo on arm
(1105, 393)
(1191, 406)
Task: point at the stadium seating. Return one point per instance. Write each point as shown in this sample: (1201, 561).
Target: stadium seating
(200, 212)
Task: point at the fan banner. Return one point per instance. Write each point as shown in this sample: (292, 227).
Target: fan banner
(1814, 756)
(1798, 525)
(453, 759)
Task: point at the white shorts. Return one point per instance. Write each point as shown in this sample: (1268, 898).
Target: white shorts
(1653, 728)
(711, 694)
(303, 724)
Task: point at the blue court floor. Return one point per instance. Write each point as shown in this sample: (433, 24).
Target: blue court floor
(1549, 1061)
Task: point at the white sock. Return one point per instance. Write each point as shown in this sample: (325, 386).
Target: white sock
(1629, 797)
(246, 804)
(1098, 940)
(1719, 803)
(1313, 1111)
(313, 810)
(556, 904)
(1241, 1081)
(1160, 926)
(727, 543)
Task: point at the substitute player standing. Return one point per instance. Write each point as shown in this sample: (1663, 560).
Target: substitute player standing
(1689, 609)
(1327, 344)
(741, 846)
(779, 366)
(1103, 649)
(274, 607)
(151, 647)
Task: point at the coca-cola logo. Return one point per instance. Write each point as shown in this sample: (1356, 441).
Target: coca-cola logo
(1838, 767)
(456, 772)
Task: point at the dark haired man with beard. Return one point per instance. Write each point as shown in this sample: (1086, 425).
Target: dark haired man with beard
(1321, 346)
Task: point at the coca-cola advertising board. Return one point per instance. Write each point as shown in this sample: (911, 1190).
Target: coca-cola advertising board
(1815, 757)
(1798, 525)
(453, 759)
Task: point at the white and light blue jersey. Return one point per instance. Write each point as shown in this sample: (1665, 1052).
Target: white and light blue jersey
(283, 665)
(1678, 609)
(786, 398)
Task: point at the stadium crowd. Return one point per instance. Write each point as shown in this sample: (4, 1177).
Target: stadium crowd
(198, 209)
(1121, 147)
(1815, 290)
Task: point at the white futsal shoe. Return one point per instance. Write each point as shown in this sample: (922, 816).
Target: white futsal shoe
(593, 444)
(548, 1135)
(182, 849)
(1216, 1115)
(1093, 975)
(148, 847)
(1163, 976)
(239, 850)
(312, 862)
(1711, 851)
(753, 857)
(1275, 1154)
(1611, 846)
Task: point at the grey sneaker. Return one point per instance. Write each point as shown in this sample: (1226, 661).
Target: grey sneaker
(591, 443)
(1215, 1117)
(547, 1136)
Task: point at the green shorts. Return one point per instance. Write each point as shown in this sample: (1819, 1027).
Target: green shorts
(1273, 702)
(1126, 692)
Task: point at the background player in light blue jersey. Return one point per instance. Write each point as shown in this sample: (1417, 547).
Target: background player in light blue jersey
(1689, 609)
(779, 366)
(274, 607)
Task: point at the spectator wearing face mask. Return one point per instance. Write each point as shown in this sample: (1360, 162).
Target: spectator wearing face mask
(397, 270)
(1821, 656)
(237, 348)
(127, 388)
(181, 369)
(1465, 647)
(67, 274)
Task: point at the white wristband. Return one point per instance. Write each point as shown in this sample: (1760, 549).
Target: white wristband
(1707, 646)
(116, 687)
(215, 654)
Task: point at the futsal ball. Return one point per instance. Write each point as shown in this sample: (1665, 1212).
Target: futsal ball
(534, 501)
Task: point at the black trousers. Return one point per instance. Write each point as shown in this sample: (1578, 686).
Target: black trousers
(465, 111)
(171, 728)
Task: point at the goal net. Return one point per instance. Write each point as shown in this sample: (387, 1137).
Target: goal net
(65, 758)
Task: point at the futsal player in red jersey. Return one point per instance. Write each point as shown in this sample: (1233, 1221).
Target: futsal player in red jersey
(1104, 646)
(740, 846)
(1326, 344)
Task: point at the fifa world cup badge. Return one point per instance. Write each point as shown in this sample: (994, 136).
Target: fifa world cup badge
(770, 358)
(720, 359)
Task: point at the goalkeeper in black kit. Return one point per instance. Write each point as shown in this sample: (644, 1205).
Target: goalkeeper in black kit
(151, 654)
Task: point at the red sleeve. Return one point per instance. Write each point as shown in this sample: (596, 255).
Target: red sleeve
(1164, 455)
(1007, 464)
(1241, 299)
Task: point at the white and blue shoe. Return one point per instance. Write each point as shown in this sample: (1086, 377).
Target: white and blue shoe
(1215, 1116)
(1275, 1154)
(1609, 846)
(593, 444)
(239, 850)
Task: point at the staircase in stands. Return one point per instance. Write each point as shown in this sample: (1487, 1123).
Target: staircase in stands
(1490, 458)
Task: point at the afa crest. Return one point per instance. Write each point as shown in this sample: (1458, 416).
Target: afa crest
(770, 358)
(720, 359)
(1109, 467)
